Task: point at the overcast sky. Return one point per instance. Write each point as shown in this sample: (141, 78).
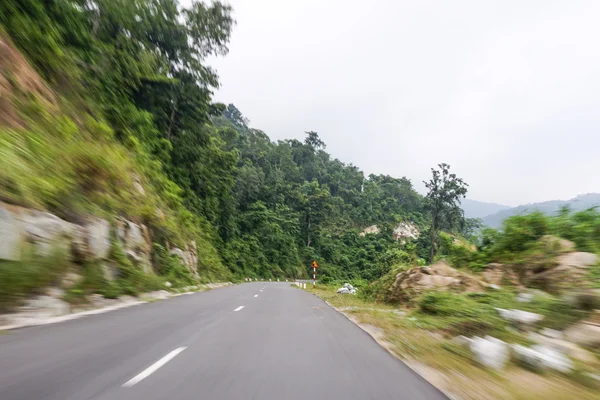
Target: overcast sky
(506, 92)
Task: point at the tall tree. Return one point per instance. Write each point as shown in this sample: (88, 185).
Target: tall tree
(443, 202)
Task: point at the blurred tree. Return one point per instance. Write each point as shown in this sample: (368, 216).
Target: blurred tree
(443, 203)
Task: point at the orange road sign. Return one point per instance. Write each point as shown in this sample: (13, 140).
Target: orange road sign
(314, 264)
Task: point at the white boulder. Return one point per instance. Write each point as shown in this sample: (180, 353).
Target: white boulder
(539, 357)
(523, 319)
(489, 351)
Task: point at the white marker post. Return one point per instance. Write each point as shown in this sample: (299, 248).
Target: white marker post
(315, 266)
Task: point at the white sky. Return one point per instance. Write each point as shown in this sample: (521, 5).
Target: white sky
(507, 92)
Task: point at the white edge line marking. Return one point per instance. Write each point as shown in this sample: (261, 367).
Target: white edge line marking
(153, 368)
(239, 308)
(255, 295)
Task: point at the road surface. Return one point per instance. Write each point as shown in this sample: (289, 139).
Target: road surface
(253, 341)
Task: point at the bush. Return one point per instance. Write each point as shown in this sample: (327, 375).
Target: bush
(111, 290)
(458, 314)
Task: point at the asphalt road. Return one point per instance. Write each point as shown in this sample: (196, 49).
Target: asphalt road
(283, 344)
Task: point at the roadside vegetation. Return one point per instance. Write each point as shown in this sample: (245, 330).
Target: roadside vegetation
(422, 338)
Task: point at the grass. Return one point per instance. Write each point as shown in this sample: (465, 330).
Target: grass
(423, 340)
(20, 279)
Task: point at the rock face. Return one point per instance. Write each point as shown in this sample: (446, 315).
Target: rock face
(500, 274)
(188, 257)
(406, 230)
(45, 231)
(439, 276)
(135, 241)
(87, 242)
(92, 241)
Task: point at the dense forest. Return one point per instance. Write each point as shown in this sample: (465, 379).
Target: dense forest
(131, 103)
(135, 95)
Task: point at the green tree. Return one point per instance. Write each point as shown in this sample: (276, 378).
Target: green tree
(443, 203)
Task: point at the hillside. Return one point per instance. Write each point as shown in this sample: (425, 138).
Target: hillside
(480, 209)
(579, 203)
(107, 120)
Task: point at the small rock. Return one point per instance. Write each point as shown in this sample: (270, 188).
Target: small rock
(168, 284)
(343, 291)
(523, 319)
(489, 351)
(539, 357)
(494, 286)
(524, 297)
(551, 333)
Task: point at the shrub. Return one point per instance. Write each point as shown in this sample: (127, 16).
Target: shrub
(458, 314)
(111, 290)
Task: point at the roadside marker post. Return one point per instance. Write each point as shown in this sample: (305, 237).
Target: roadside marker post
(315, 266)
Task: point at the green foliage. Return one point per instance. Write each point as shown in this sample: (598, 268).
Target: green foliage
(532, 241)
(461, 315)
(443, 203)
(170, 267)
(134, 100)
(18, 279)
(475, 313)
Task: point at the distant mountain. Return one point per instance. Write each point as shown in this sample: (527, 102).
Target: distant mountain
(480, 209)
(579, 203)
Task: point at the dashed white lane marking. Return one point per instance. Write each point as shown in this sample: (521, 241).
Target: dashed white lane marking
(152, 369)
(255, 295)
(239, 308)
(261, 290)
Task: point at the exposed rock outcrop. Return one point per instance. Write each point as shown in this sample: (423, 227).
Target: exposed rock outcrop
(87, 242)
(136, 243)
(370, 230)
(19, 225)
(570, 272)
(188, 257)
(92, 241)
(566, 271)
(500, 274)
(406, 230)
(440, 276)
